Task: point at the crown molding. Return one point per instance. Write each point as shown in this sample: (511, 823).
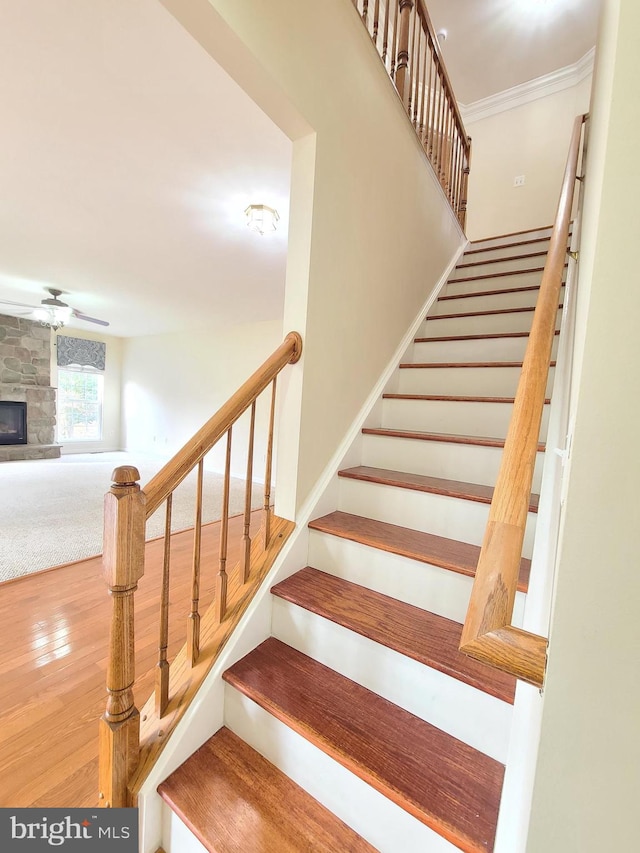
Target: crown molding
(540, 87)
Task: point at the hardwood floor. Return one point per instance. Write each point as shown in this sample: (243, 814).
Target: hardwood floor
(54, 629)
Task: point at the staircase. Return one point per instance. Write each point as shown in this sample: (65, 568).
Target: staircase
(358, 725)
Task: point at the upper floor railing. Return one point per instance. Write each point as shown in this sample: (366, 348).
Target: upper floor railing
(408, 46)
(128, 507)
(488, 634)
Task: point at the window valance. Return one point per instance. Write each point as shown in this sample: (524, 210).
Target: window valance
(81, 352)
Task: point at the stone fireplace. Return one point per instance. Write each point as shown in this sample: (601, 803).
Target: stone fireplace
(25, 377)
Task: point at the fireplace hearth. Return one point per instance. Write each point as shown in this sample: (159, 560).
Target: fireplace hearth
(13, 422)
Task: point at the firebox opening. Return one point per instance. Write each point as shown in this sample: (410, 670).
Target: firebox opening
(13, 422)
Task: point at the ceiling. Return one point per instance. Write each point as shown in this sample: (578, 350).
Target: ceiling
(127, 155)
(493, 45)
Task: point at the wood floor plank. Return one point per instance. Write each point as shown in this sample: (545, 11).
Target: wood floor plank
(423, 483)
(420, 635)
(448, 554)
(52, 691)
(234, 801)
(439, 780)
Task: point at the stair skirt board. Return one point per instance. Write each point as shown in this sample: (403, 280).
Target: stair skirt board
(453, 518)
(452, 416)
(372, 815)
(463, 711)
(422, 584)
(484, 349)
(468, 462)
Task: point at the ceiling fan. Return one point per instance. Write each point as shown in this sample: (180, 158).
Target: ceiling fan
(54, 313)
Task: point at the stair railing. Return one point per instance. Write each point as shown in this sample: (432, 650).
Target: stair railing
(127, 509)
(404, 37)
(488, 634)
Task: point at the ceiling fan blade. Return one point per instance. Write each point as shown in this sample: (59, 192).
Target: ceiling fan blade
(80, 316)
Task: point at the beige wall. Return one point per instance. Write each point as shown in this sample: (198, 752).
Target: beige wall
(111, 404)
(371, 232)
(172, 384)
(530, 140)
(588, 775)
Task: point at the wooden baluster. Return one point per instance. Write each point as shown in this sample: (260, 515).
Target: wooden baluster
(376, 22)
(246, 538)
(221, 584)
(417, 67)
(403, 49)
(162, 667)
(385, 38)
(365, 13)
(447, 146)
(193, 620)
(455, 170)
(441, 116)
(394, 40)
(465, 183)
(420, 127)
(410, 84)
(267, 475)
(428, 143)
(123, 566)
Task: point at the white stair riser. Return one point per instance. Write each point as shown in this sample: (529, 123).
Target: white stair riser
(486, 324)
(468, 462)
(540, 245)
(384, 824)
(464, 381)
(490, 242)
(458, 418)
(505, 264)
(441, 591)
(483, 349)
(480, 720)
(176, 836)
(509, 284)
(465, 304)
(457, 284)
(454, 518)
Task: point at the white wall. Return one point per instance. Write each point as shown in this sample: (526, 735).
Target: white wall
(111, 411)
(588, 774)
(530, 140)
(370, 229)
(173, 384)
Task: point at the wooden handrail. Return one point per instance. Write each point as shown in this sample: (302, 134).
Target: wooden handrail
(169, 478)
(127, 509)
(488, 635)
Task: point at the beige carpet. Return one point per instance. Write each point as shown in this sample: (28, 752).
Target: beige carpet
(51, 509)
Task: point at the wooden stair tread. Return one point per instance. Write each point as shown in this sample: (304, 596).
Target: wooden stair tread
(501, 246)
(483, 313)
(234, 800)
(409, 365)
(475, 337)
(515, 234)
(452, 398)
(420, 635)
(450, 554)
(500, 260)
(502, 292)
(422, 483)
(495, 275)
(482, 441)
(441, 781)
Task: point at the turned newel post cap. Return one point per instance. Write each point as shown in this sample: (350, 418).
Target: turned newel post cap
(125, 475)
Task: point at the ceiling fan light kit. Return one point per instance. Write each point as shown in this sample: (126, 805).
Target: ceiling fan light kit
(53, 313)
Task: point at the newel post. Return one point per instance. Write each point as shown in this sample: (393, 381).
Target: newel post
(123, 565)
(402, 63)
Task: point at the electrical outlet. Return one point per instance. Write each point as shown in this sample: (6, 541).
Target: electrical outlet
(518, 181)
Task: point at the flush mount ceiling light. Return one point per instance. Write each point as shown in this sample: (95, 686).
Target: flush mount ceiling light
(261, 218)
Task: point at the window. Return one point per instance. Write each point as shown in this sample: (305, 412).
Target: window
(79, 405)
